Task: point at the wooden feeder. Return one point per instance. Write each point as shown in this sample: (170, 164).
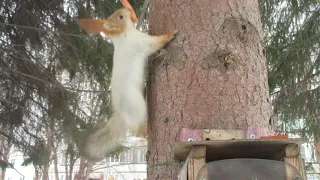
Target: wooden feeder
(230, 154)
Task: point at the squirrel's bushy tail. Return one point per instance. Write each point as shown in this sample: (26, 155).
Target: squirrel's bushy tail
(104, 140)
(130, 111)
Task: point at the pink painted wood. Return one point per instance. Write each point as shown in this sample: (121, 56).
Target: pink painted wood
(187, 134)
(255, 132)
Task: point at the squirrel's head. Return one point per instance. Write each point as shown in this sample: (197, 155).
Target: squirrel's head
(119, 22)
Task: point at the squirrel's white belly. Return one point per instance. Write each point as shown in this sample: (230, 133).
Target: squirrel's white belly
(126, 86)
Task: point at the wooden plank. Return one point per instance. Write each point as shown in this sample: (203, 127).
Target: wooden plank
(239, 148)
(222, 134)
(295, 161)
(303, 171)
(197, 161)
(196, 155)
(183, 173)
(292, 157)
(187, 134)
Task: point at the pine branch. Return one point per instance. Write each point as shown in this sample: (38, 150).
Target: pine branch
(39, 29)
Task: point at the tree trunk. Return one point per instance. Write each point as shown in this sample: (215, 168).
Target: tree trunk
(317, 152)
(213, 75)
(4, 154)
(45, 172)
(55, 163)
(5, 147)
(53, 148)
(36, 172)
(66, 167)
(71, 164)
(3, 174)
(88, 170)
(82, 169)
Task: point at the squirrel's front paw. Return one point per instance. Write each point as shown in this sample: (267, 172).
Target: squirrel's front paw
(172, 34)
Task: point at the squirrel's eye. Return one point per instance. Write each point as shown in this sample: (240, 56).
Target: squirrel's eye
(120, 17)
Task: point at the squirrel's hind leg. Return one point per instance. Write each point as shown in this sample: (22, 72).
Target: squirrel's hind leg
(133, 110)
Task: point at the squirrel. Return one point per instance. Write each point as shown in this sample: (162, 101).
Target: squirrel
(131, 51)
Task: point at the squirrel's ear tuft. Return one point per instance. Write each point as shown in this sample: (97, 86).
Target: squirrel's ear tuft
(126, 4)
(92, 26)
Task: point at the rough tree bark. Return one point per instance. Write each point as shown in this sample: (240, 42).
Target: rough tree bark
(85, 169)
(45, 172)
(213, 75)
(5, 146)
(36, 172)
(317, 151)
(72, 161)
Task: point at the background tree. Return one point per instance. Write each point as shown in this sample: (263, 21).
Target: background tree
(5, 146)
(52, 76)
(214, 75)
(54, 80)
(292, 43)
(292, 38)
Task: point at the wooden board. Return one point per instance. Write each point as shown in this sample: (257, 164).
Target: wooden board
(222, 134)
(245, 148)
(194, 162)
(298, 164)
(188, 134)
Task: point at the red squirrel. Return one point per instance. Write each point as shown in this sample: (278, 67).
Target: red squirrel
(131, 51)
